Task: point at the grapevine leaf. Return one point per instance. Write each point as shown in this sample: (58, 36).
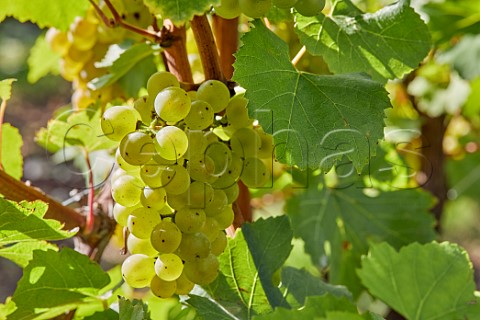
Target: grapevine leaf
(315, 119)
(302, 284)
(238, 288)
(208, 309)
(179, 11)
(108, 314)
(464, 175)
(45, 13)
(80, 128)
(42, 61)
(58, 280)
(133, 310)
(22, 252)
(6, 88)
(125, 62)
(12, 159)
(429, 281)
(386, 44)
(23, 222)
(137, 77)
(269, 242)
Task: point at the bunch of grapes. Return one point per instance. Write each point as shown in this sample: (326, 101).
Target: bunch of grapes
(86, 43)
(230, 9)
(180, 157)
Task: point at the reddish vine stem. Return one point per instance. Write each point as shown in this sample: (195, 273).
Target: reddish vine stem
(226, 36)
(176, 56)
(91, 197)
(207, 48)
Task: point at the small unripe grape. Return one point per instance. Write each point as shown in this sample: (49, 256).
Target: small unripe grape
(228, 9)
(140, 246)
(172, 104)
(138, 270)
(255, 8)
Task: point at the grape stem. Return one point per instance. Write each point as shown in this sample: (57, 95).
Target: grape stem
(175, 55)
(91, 197)
(299, 55)
(226, 36)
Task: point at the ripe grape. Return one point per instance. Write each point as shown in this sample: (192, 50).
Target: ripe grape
(144, 109)
(245, 142)
(126, 190)
(121, 213)
(159, 81)
(201, 168)
(142, 221)
(166, 236)
(194, 246)
(175, 179)
(190, 220)
(228, 9)
(117, 121)
(218, 203)
(215, 93)
(172, 142)
(255, 173)
(172, 104)
(219, 244)
(136, 148)
(225, 218)
(255, 8)
(161, 288)
(200, 116)
(168, 266)
(184, 285)
(138, 270)
(202, 271)
(153, 198)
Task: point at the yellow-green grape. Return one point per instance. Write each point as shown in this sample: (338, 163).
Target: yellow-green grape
(140, 246)
(201, 168)
(190, 220)
(137, 14)
(172, 143)
(124, 164)
(144, 109)
(228, 9)
(79, 56)
(159, 81)
(219, 244)
(199, 194)
(121, 213)
(231, 174)
(166, 237)
(245, 142)
(197, 143)
(194, 246)
(69, 69)
(142, 221)
(266, 145)
(126, 190)
(168, 267)
(57, 40)
(309, 8)
(255, 8)
(237, 114)
(221, 156)
(83, 33)
(232, 192)
(218, 203)
(284, 4)
(136, 148)
(175, 179)
(215, 93)
(200, 116)
(255, 174)
(163, 289)
(153, 198)
(82, 99)
(151, 174)
(225, 218)
(184, 285)
(210, 228)
(118, 121)
(138, 270)
(202, 271)
(172, 104)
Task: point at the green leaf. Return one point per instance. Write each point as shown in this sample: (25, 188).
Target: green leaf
(464, 175)
(12, 159)
(108, 314)
(315, 119)
(463, 57)
(45, 13)
(59, 280)
(6, 88)
(302, 284)
(127, 60)
(23, 222)
(430, 281)
(133, 310)
(81, 128)
(137, 77)
(179, 11)
(22, 252)
(472, 107)
(42, 60)
(386, 44)
(208, 309)
(269, 242)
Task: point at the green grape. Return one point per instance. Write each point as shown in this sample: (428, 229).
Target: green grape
(123, 164)
(197, 143)
(126, 190)
(218, 203)
(201, 168)
(83, 34)
(202, 271)
(184, 285)
(117, 121)
(151, 174)
(221, 156)
(121, 213)
(159, 81)
(232, 192)
(215, 93)
(245, 142)
(144, 109)
(266, 145)
(219, 243)
(140, 246)
(225, 218)
(172, 104)
(163, 289)
(284, 4)
(199, 194)
(57, 40)
(177, 202)
(255, 8)
(175, 179)
(194, 246)
(166, 236)
(309, 8)
(168, 267)
(231, 174)
(158, 159)
(255, 173)
(190, 220)
(200, 116)
(228, 9)
(138, 270)
(142, 221)
(237, 114)
(172, 142)
(136, 148)
(153, 198)
(210, 228)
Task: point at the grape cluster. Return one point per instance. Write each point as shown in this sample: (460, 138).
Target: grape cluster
(180, 157)
(230, 9)
(86, 43)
